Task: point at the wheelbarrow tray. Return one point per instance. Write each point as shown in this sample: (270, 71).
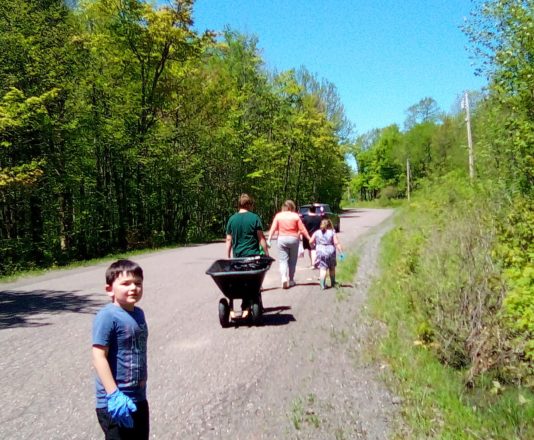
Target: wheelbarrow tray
(240, 278)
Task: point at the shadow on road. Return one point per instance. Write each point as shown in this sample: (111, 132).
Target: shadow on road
(328, 287)
(350, 213)
(25, 309)
(273, 317)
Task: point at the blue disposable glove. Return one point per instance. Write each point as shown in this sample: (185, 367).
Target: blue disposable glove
(341, 256)
(120, 407)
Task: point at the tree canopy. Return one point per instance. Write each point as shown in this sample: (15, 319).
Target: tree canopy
(122, 127)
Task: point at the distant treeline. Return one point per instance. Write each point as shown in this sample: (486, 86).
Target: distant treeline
(121, 127)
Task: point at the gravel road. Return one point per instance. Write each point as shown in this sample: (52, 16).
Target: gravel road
(304, 374)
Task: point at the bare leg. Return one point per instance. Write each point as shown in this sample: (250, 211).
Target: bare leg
(322, 278)
(333, 276)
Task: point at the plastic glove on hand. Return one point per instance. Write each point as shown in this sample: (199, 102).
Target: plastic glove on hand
(268, 243)
(341, 256)
(120, 407)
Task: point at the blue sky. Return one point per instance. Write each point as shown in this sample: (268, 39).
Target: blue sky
(382, 55)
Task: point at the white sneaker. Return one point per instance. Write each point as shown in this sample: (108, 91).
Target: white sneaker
(285, 283)
(292, 283)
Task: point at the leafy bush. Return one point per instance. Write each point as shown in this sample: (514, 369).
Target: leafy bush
(461, 259)
(516, 251)
(446, 300)
(389, 192)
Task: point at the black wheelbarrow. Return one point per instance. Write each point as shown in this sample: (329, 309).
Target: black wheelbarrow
(240, 278)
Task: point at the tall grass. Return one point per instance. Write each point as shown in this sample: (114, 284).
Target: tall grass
(440, 295)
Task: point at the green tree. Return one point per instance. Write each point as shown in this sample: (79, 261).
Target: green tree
(36, 63)
(378, 164)
(502, 36)
(417, 146)
(426, 110)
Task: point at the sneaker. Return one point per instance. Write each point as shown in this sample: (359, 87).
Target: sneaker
(292, 283)
(285, 283)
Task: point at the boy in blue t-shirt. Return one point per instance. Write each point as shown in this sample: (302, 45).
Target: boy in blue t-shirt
(120, 335)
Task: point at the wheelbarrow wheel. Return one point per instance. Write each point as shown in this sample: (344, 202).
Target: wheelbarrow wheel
(256, 313)
(224, 313)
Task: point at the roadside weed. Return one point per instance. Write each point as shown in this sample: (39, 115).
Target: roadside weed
(346, 269)
(437, 403)
(342, 294)
(339, 336)
(303, 413)
(297, 413)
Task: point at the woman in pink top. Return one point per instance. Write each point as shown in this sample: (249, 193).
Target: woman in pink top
(289, 226)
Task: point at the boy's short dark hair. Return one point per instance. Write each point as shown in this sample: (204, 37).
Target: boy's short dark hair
(245, 201)
(115, 269)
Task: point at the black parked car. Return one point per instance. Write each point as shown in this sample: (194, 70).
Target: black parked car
(309, 214)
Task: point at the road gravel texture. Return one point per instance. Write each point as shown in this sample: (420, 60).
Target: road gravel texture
(303, 374)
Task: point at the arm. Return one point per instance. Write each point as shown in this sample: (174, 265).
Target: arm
(312, 239)
(119, 405)
(273, 229)
(228, 246)
(263, 242)
(337, 244)
(302, 229)
(101, 364)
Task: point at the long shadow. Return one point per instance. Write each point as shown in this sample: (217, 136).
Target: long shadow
(311, 283)
(276, 309)
(25, 309)
(349, 213)
(316, 283)
(272, 316)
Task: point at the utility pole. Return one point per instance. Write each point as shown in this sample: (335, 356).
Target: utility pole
(408, 179)
(465, 106)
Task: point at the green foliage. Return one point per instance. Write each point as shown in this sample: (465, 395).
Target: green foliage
(432, 149)
(302, 413)
(516, 252)
(502, 33)
(439, 298)
(426, 110)
(123, 128)
(459, 272)
(378, 167)
(466, 266)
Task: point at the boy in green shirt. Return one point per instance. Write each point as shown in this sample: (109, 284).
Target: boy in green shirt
(244, 236)
(244, 231)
